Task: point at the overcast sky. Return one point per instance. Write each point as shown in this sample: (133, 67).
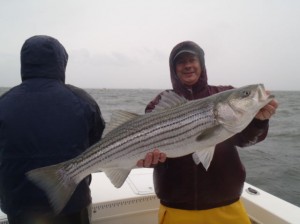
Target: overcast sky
(126, 43)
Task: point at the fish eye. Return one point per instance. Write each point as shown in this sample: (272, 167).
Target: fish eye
(246, 93)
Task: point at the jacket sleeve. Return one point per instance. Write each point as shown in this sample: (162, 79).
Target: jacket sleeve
(98, 126)
(96, 121)
(255, 132)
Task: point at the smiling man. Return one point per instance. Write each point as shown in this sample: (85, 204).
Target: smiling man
(188, 192)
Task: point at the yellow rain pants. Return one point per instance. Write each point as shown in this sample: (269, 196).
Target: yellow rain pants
(234, 213)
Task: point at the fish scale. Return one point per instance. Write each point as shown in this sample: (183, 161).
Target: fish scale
(168, 126)
(134, 144)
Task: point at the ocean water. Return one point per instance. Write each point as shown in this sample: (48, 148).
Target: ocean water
(272, 165)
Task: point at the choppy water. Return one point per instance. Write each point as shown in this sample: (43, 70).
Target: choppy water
(272, 165)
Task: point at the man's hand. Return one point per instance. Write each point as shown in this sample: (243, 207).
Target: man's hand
(267, 111)
(152, 158)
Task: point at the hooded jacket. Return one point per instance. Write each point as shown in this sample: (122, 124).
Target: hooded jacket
(43, 121)
(181, 184)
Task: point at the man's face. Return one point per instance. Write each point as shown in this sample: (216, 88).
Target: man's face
(188, 68)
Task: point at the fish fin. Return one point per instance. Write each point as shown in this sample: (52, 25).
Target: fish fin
(169, 99)
(118, 118)
(56, 183)
(214, 131)
(117, 176)
(204, 156)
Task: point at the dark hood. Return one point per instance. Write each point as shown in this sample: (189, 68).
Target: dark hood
(178, 87)
(43, 57)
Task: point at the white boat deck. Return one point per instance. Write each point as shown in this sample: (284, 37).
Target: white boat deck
(135, 202)
(266, 208)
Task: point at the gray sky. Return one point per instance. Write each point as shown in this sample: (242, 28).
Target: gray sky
(126, 44)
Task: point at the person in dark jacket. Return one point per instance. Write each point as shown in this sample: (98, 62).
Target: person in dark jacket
(187, 192)
(44, 121)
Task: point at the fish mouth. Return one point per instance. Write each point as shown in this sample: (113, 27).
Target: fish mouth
(263, 94)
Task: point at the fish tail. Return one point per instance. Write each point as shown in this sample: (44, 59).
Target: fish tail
(56, 183)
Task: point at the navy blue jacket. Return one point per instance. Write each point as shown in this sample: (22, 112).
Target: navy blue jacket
(43, 121)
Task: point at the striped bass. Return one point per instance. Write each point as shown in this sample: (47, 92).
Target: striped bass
(176, 127)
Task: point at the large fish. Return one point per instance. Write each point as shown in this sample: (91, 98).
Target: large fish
(176, 127)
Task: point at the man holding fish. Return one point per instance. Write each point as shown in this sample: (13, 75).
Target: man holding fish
(191, 193)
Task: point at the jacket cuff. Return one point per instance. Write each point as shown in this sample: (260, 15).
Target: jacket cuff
(260, 124)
